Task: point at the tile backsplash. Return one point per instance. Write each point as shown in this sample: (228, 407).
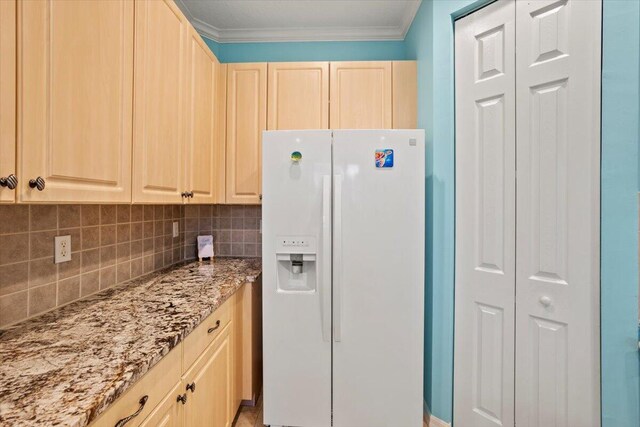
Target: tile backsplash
(109, 244)
(235, 229)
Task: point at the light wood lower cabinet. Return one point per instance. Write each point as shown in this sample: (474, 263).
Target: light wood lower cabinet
(169, 412)
(202, 381)
(209, 399)
(75, 67)
(7, 96)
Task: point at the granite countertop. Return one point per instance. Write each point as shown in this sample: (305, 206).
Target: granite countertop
(66, 366)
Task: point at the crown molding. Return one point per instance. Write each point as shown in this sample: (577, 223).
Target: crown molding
(252, 35)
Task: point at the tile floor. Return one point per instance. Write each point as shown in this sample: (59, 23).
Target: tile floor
(250, 416)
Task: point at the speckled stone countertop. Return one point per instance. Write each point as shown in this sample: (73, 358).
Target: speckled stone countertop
(65, 367)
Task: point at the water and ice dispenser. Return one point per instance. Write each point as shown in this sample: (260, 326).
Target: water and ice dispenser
(297, 263)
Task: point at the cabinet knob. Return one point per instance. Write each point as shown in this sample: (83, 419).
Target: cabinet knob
(182, 398)
(192, 387)
(37, 183)
(260, 196)
(142, 402)
(183, 194)
(545, 301)
(11, 182)
(190, 194)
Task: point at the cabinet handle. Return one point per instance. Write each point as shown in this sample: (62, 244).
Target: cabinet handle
(182, 398)
(11, 182)
(143, 401)
(192, 387)
(213, 328)
(183, 194)
(37, 183)
(190, 194)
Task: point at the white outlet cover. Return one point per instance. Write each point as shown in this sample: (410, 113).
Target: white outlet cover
(62, 249)
(176, 229)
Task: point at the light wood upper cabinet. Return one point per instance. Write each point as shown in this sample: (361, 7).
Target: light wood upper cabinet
(220, 146)
(246, 119)
(75, 99)
(160, 100)
(298, 95)
(201, 138)
(7, 96)
(210, 402)
(361, 95)
(405, 94)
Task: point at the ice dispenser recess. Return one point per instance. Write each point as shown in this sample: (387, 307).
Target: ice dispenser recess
(296, 257)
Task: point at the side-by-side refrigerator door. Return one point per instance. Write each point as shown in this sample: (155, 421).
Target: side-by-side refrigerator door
(296, 264)
(378, 282)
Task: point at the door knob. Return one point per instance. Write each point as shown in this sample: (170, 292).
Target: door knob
(37, 183)
(545, 300)
(11, 181)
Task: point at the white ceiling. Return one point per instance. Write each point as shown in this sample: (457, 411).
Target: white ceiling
(230, 21)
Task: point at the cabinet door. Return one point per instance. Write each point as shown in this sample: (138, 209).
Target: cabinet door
(169, 412)
(246, 119)
(201, 120)
(405, 94)
(360, 95)
(160, 88)
(298, 95)
(75, 97)
(209, 404)
(236, 342)
(7, 95)
(220, 146)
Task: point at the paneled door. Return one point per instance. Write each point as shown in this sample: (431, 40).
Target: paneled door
(558, 233)
(202, 135)
(7, 98)
(555, 293)
(485, 217)
(75, 100)
(160, 98)
(360, 94)
(298, 95)
(246, 119)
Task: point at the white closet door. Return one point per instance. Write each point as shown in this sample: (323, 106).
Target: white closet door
(558, 215)
(485, 217)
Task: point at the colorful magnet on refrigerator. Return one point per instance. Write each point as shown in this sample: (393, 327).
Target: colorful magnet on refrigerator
(384, 158)
(296, 156)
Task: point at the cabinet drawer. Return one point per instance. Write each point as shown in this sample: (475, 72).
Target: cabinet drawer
(198, 340)
(156, 384)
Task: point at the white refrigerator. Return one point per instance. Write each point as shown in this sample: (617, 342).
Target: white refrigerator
(343, 216)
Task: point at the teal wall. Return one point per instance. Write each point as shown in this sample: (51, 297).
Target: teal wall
(619, 244)
(430, 42)
(308, 51)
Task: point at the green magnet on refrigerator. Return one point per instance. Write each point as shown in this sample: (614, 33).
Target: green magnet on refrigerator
(296, 156)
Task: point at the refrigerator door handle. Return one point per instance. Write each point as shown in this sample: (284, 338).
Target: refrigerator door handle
(325, 304)
(337, 260)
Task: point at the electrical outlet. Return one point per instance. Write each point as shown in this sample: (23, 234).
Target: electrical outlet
(176, 229)
(62, 249)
